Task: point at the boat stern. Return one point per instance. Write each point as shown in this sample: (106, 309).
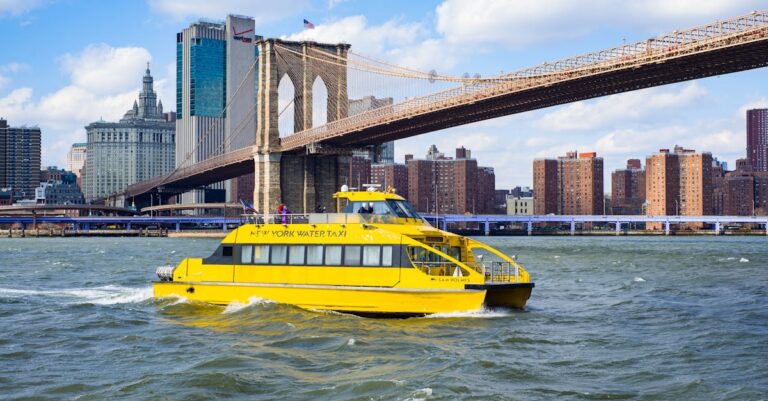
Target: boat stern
(507, 295)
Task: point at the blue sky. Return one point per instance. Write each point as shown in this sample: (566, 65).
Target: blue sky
(65, 63)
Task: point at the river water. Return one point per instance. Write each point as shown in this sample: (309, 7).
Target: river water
(640, 318)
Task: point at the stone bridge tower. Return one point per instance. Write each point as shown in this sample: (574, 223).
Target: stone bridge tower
(301, 181)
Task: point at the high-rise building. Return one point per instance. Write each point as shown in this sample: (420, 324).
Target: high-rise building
(628, 189)
(572, 184)
(390, 175)
(757, 139)
(215, 97)
(545, 186)
(138, 147)
(359, 172)
(19, 160)
(385, 153)
(679, 183)
(76, 158)
(440, 184)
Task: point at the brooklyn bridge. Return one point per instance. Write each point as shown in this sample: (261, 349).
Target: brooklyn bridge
(304, 168)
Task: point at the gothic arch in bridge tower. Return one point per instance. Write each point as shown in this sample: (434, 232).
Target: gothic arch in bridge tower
(320, 103)
(286, 99)
(291, 178)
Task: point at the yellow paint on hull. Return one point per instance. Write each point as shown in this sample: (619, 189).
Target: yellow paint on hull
(337, 298)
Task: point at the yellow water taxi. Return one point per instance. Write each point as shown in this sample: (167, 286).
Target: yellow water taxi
(375, 257)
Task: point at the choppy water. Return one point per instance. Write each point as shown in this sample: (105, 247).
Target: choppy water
(610, 318)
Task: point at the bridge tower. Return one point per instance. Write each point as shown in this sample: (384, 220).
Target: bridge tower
(301, 181)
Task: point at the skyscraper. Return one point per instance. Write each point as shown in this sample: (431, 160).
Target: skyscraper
(757, 139)
(19, 160)
(138, 147)
(215, 96)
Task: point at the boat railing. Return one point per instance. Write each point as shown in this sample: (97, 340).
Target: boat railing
(322, 218)
(497, 271)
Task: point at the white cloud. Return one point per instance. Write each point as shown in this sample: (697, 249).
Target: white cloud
(14, 67)
(102, 69)
(761, 103)
(10, 68)
(103, 83)
(18, 7)
(590, 115)
(405, 44)
(518, 22)
(261, 12)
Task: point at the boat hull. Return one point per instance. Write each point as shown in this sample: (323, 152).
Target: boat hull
(368, 301)
(508, 295)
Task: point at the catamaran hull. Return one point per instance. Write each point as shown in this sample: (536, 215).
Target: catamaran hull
(507, 295)
(358, 300)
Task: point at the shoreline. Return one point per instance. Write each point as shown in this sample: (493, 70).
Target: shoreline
(159, 233)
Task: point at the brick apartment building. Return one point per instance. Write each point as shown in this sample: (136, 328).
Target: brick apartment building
(678, 183)
(450, 185)
(757, 139)
(572, 184)
(628, 189)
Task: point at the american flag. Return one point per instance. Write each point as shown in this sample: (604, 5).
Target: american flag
(308, 25)
(247, 206)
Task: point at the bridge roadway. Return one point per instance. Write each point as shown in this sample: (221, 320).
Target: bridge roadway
(442, 221)
(719, 48)
(45, 208)
(617, 220)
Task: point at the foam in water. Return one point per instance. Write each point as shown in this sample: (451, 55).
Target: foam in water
(351, 342)
(482, 313)
(104, 295)
(743, 260)
(638, 280)
(420, 394)
(235, 307)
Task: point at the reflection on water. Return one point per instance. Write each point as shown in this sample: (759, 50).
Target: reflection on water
(610, 318)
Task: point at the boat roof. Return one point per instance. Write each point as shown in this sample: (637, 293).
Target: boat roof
(359, 196)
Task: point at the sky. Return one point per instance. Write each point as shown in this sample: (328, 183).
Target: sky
(66, 63)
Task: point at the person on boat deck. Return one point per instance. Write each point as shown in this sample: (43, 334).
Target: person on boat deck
(320, 209)
(370, 207)
(282, 210)
(363, 209)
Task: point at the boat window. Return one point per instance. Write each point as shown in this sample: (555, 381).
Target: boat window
(386, 255)
(333, 255)
(296, 255)
(352, 255)
(456, 253)
(246, 254)
(226, 250)
(432, 264)
(261, 254)
(314, 255)
(279, 254)
(398, 209)
(371, 255)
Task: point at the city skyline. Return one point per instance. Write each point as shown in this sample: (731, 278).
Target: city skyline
(96, 69)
